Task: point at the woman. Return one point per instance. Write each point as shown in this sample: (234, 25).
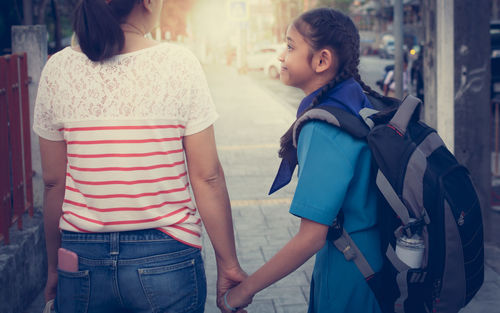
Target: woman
(118, 117)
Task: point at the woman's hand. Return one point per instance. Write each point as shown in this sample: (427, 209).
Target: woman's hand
(227, 278)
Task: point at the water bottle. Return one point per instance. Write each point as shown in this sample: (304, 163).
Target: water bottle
(410, 250)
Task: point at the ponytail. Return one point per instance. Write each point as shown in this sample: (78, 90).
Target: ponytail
(97, 27)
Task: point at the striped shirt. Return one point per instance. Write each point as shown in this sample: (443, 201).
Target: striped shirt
(123, 122)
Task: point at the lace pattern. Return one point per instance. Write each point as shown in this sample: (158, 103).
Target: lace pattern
(163, 81)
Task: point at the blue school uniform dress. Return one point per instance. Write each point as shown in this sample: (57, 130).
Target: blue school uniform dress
(335, 173)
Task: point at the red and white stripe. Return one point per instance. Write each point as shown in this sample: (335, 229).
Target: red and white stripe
(128, 175)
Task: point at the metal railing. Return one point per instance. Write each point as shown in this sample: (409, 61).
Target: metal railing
(16, 187)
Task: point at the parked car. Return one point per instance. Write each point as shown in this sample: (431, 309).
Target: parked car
(387, 50)
(259, 57)
(272, 67)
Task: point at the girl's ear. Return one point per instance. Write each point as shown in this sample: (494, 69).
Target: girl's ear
(148, 5)
(324, 60)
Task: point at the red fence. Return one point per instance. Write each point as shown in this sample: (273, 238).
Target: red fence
(16, 189)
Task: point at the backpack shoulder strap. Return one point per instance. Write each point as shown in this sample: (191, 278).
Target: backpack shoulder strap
(333, 116)
(352, 253)
(406, 111)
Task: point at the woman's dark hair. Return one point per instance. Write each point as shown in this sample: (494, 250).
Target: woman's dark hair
(97, 26)
(328, 28)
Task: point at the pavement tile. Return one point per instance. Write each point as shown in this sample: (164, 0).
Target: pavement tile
(261, 306)
(305, 290)
(291, 308)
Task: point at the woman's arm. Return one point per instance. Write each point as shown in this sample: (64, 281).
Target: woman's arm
(53, 154)
(209, 188)
(309, 240)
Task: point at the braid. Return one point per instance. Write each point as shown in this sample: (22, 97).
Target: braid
(322, 28)
(286, 141)
(367, 88)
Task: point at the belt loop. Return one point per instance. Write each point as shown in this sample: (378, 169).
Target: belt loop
(114, 243)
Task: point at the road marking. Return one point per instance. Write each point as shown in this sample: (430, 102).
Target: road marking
(247, 147)
(265, 202)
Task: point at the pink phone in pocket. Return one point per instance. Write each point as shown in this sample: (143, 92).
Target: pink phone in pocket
(67, 260)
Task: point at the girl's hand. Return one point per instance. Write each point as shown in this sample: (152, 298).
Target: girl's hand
(227, 278)
(236, 298)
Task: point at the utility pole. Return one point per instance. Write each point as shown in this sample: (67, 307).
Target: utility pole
(457, 88)
(27, 12)
(398, 45)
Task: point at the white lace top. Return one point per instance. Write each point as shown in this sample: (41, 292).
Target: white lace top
(123, 121)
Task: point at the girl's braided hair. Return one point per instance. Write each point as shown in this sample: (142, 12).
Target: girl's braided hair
(328, 28)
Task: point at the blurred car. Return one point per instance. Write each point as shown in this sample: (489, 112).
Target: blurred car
(259, 57)
(495, 59)
(387, 50)
(272, 67)
(387, 47)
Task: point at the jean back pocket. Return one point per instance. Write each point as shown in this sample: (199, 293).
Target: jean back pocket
(73, 291)
(179, 287)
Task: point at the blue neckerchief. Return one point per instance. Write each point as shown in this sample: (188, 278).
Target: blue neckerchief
(348, 95)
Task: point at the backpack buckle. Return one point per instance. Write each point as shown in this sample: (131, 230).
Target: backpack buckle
(413, 227)
(335, 231)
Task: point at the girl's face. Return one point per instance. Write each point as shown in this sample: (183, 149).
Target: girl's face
(296, 66)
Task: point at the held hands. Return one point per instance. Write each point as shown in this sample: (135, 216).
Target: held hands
(227, 279)
(234, 300)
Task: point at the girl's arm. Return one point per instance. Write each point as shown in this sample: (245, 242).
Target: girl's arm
(209, 188)
(309, 240)
(53, 154)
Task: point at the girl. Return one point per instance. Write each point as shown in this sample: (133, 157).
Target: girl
(117, 117)
(334, 171)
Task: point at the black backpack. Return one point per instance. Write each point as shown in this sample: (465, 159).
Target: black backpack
(426, 198)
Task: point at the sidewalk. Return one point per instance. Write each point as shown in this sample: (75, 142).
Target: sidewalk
(248, 131)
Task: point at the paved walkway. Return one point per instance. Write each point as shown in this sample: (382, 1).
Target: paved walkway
(248, 131)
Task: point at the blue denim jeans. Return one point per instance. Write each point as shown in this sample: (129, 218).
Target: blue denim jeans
(136, 271)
